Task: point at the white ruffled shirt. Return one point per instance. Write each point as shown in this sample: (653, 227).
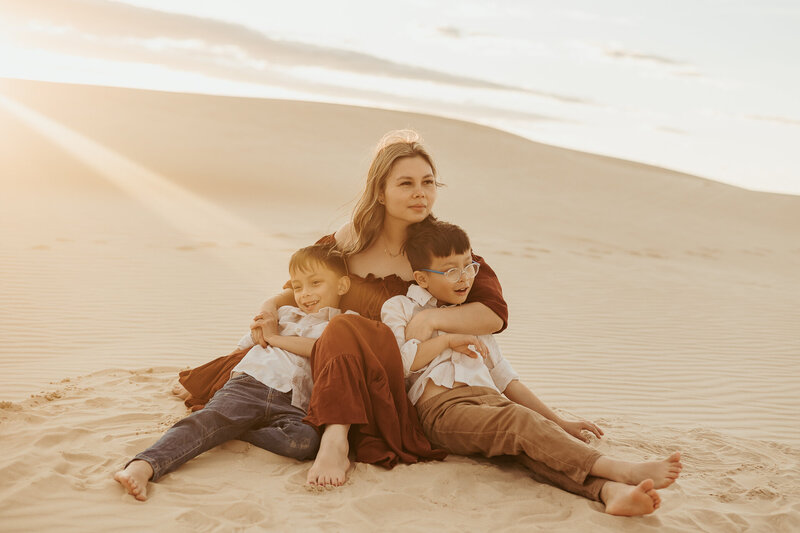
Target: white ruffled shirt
(450, 366)
(282, 370)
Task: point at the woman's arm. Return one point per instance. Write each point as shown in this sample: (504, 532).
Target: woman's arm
(484, 312)
(471, 319)
(285, 297)
(486, 290)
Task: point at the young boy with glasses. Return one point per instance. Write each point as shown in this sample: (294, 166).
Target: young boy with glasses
(455, 381)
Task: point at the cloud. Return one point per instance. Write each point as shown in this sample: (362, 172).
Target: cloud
(617, 53)
(669, 129)
(450, 31)
(108, 30)
(776, 119)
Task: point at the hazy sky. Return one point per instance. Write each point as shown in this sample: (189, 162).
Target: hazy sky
(707, 86)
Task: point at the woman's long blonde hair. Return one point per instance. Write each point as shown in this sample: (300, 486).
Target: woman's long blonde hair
(368, 214)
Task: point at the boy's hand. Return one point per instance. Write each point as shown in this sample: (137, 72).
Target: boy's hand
(462, 343)
(576, 428)
(264, 325)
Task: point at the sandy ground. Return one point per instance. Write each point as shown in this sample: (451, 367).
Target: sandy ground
(140, 230)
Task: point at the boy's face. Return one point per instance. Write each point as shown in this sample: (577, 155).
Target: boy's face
(318, 286)
(446, 291)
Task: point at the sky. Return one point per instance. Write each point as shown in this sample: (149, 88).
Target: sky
(707, 87)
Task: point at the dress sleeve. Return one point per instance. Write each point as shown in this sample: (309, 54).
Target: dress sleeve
(487, 290)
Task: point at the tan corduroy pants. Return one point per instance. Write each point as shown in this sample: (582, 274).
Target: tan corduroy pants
(479, 420)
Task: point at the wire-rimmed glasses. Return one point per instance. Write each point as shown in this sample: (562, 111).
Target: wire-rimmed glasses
(454, 274)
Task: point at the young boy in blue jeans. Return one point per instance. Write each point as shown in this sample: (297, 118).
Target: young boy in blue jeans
(266, 398)
(456, 380)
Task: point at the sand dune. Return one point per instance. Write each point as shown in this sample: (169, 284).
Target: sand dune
(140, 230)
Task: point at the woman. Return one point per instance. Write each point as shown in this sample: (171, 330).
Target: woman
(358, 377)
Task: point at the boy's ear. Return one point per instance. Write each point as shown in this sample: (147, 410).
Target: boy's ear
(421, 278)
(344, 285)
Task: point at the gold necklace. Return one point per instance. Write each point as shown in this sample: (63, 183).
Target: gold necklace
(386, 249)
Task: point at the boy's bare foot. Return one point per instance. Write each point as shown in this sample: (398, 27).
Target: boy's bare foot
(180, 391)
(629, 500)
(663, 472)
(331, 465)
(135, 477)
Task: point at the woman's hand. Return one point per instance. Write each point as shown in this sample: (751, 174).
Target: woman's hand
(462, 343)
(576, 428)
(421, 325)
(264, 325)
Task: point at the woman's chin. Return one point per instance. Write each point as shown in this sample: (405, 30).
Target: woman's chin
(418, 217)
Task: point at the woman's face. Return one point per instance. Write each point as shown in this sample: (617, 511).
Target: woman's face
(410, 190)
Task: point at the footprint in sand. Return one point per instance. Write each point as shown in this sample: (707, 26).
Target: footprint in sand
(10, 406)
(198, 246)
(705, 253)
(602, 251)
(654, 254)
(583, 253)
(195, 520)
(244, 513)
(760, 252)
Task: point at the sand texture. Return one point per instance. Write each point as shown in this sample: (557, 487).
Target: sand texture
(139, 231)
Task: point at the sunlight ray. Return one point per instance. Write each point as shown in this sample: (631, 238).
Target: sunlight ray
(189, 213)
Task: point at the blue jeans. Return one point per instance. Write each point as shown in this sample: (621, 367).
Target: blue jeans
(243, 409)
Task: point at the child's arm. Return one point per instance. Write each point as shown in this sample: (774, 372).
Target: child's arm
(517, 392)
(269, 311)
(301, 346)
(420, 351)
(430, 349)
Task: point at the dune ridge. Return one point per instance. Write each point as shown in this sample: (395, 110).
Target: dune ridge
(662, 306)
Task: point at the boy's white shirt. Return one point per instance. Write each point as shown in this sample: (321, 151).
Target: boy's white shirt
(282, 370)
(450, 366)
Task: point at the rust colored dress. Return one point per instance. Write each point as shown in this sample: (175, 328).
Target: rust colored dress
(358, 372)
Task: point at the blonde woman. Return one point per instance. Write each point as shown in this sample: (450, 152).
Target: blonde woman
(359, 397)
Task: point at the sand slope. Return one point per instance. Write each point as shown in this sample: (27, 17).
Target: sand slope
(139, 231)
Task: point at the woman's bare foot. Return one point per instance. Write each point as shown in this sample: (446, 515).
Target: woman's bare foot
(629, 500)
(135, 477)
(180, 391)
(663, 473)
(331, 465)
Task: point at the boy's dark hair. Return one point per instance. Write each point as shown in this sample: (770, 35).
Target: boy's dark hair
(433, 238)
(325, 254)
